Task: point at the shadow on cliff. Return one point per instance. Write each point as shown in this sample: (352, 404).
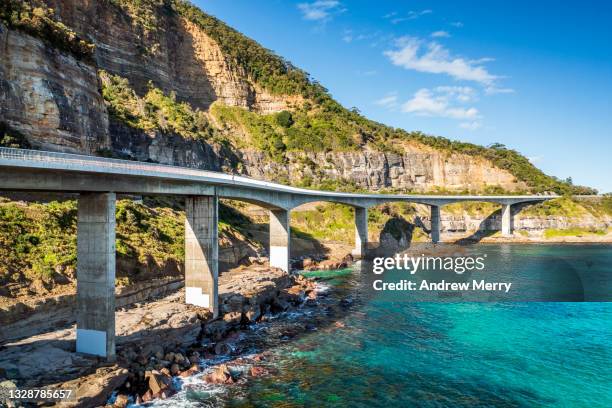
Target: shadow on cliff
(396, 235)
(486, 228)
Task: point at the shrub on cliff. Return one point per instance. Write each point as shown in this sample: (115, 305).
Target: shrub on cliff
(154, 111)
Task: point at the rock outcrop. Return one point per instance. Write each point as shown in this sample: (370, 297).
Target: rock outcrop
(419, 169)
(173, 53)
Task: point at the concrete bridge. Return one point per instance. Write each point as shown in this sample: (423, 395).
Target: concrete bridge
(98, 181)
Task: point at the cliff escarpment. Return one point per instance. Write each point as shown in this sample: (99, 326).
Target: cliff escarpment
(162, 81)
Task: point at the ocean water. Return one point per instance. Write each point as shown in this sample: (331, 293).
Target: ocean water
(385, 352)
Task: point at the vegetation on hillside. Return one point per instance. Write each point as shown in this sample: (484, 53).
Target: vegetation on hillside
(330, 222)
(154, 111)
(504, 158)
(301, 130)
(321, 124)
(563, 207)
(38, 20)
(573, 232)
(265, 67)
(38, 241)
(333, 128)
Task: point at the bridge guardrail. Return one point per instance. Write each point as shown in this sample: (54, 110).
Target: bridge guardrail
(78, 162)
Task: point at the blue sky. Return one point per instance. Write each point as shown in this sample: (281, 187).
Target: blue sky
(535, 76)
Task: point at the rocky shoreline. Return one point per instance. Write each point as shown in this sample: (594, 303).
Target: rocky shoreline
(161, 340)
(152, 366)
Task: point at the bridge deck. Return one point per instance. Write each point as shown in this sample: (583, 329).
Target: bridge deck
(51, 171)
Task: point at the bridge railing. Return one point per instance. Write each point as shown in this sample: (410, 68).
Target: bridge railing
(83, 163)
(79, 162)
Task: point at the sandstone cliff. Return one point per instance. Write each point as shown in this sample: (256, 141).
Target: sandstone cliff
(55, 99)
(50, 96)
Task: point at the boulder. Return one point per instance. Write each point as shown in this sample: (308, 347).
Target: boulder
(220, 375)
(190, 371)
(281, 304)
(179, 358)
(121, 401)
(233, 318)
(194, 358)
(224, 348)
(157, 381)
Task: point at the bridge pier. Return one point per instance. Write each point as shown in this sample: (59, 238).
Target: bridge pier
(202, 252)
(435, 223)
(96, 274)
(507, 220)
(279, 239)
(361, 232)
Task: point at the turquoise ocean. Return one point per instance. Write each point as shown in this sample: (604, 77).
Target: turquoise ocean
(388, 352)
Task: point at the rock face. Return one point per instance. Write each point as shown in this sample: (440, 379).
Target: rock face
(55, 101)
(419, 169)
(175, 54)
(50, 96)
(464, 223)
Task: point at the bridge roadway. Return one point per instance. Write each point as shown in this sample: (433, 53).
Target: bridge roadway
(98, 180)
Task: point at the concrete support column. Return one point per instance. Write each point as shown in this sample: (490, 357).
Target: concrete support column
(435, 223)
(279, 239)
(202, 252)
(507, 220)
(361, 232)
(96, 274)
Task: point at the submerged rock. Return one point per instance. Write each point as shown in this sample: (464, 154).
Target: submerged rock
(257, 371)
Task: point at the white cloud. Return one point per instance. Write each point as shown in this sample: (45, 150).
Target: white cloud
(457, 24)
(413, 15)
(388, 101)
(395, 18)
(350, 35)
(492, 90)
(419, 55)
(440, 34)
(320, 10)
(347, 36)
(462, 94)
(474, 125)
(442, 102)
